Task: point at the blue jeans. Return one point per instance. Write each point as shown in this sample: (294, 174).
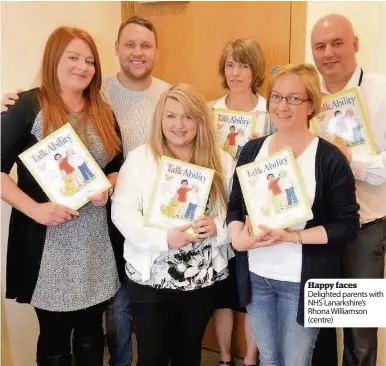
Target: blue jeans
(280, 339)
(238, 152)
(291, 196)
(86, 172)
(357, 135)
(189, 214)
(118, 326)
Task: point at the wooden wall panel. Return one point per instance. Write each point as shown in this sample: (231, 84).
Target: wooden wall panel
(192, 35)
(298, 31)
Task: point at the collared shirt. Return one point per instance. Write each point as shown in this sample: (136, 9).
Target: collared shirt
(370, 170)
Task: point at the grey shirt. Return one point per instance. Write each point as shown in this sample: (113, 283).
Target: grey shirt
(78, 268)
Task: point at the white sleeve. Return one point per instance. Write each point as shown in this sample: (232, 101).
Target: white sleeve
(372, 168)
(127, 211)
(369, 168)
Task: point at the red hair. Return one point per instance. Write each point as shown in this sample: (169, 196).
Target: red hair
(95, 111)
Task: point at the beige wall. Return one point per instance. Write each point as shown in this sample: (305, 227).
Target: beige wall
(25, 28)
(369, 20)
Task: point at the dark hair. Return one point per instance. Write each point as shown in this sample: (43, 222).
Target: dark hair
(135, 19)
(57, 155)
(270, 175)
(184, 180)
(336, 112)
(231, 127)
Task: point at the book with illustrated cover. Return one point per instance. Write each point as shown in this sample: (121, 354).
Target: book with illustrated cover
(233, 129)
(65, 169)
(343, 118)
(180, 193)
(274, 191)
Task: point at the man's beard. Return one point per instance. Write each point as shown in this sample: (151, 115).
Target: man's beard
(133, 77)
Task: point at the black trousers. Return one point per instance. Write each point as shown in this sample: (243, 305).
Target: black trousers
(172, 328)
(364, 258)
(56, 329)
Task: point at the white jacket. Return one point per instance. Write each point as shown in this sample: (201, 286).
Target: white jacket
(143, 244)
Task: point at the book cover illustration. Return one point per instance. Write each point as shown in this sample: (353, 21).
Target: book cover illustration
(343, 118)
(274, 191)
(233, 129)
(180, 193)
(65, 169)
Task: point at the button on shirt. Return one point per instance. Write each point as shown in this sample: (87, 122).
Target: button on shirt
(370, 170)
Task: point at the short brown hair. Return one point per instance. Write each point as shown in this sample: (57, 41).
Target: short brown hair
(246, 51)
(135, 19)
(310, 78)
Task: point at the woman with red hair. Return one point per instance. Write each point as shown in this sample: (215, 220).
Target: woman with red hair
(59, 260)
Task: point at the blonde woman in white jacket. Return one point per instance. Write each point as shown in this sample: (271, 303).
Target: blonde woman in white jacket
(170, 306)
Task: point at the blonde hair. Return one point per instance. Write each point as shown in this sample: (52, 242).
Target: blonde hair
(246, 51)
(205, 150)
(310, 79)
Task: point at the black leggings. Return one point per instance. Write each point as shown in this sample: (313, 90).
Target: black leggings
(172, 329)
(56, 328)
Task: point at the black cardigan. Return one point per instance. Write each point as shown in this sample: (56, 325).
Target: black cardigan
(335, 208)
(26, 236)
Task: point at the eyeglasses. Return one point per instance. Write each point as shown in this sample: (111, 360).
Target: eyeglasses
(291, 99)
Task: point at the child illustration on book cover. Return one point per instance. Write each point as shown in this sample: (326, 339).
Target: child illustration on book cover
(180, 190)
(354, 126)
(193, 199)
(282, 195)
(345, 127)
(183, 203)
(64, 168)
(83, 170)
(241, 140)
(289, 187)
(275, 191)
(74, 171)
(230, 142)
(182, 198)
(67, 171)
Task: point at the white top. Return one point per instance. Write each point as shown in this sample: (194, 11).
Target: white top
(370, 170)
(261, 107)
(75, 160)
(133, 109)
(241, 140)
(146, 249)
(283, 261)
(351, 122)
(286, 183)
(193, 197)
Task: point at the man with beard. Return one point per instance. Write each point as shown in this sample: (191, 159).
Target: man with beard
(133, 95)
(334, 46)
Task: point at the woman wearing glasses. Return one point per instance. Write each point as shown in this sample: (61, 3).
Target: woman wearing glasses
(276, 264)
